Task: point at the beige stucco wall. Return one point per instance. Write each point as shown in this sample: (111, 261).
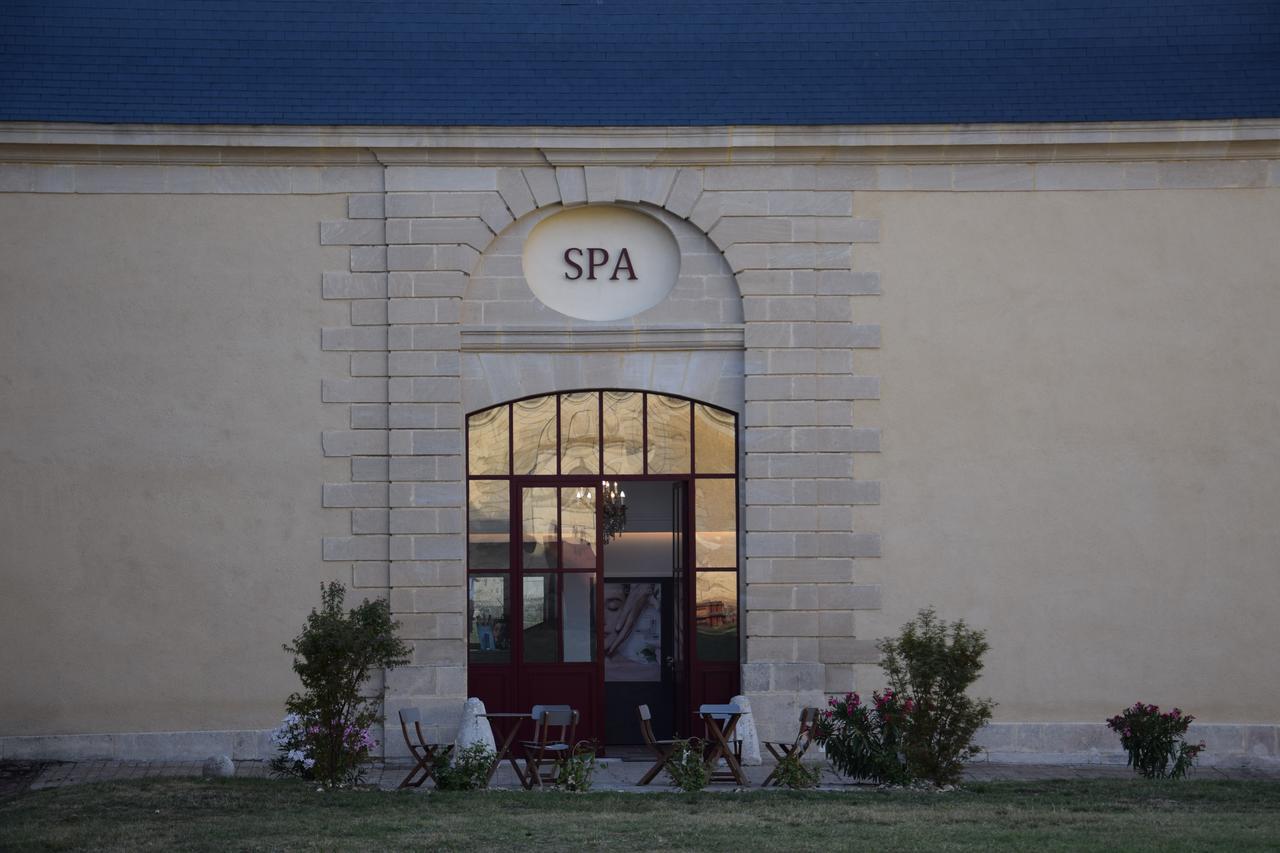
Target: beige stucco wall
(1080, 404)
(160, 371)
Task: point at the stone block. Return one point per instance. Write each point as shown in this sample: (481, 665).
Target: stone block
(993, 176)
(515, 192)
(369, 468)
(366, 206)
(751, 229)
(424, 415)
(430, 178)
(542, 183)
(848, 492)
(429, 283)
(342, 285)
(836, 229)
(1210, 174)
(602, 184)
(437, 547)
(424, 389)
(416, 363)
(342, 548)
(777, 715)
(799, 570)
(426, 521)
(352, 232)
(364, 390)
(572, 181)
(684, 192)
(473, 232)
(373, 574)
(361, 442)
(437, 494)
(446, 573)
(369, 312)
(430, 626)
(355, 494)
(779, 177)
(368, 363)
(370, 520)
(411, 258)
(349, 338)
(447, 651)
(369, 259)
(847, 283)
(847, 650)
(802, 203)
(836, 623)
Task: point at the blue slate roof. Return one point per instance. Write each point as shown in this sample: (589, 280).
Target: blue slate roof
(637, 62)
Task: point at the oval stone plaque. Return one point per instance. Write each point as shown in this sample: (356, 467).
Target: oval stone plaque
(601, 262)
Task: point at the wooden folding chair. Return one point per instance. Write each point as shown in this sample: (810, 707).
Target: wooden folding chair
(545, 746)
(797, 748)
(662, 749)
(424, 753)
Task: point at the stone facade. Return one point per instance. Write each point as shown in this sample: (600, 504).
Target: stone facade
(774, 318)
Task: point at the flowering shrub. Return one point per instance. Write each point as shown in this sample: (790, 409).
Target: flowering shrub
(326, 735)
(795, 774)
(297, 740)
(865, 742)
(467, 771)
(686, 768)
(1155, 741)
(574, 771)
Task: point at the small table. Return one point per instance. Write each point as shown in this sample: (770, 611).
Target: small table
(512, 721)
(719, 738)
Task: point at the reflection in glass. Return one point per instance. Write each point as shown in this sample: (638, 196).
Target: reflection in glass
(623, 432)
(668, 435)
(713, 448)
(646, 549)
(534, 436)
(716, 612)
(488, 524)
(488, 637)
(541, 619)
(716, 518)
(580, 433)
(579, 617)
(539, 528)
(487, 444)
(578, 518)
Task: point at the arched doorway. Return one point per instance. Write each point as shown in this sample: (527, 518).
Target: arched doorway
(602, 557)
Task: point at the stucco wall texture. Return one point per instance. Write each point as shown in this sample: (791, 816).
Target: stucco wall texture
(160, 512)
(1079, 400)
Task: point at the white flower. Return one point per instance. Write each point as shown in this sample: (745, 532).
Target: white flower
(308, 763)
(295, 755)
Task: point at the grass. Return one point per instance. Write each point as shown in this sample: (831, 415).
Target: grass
(260, 814)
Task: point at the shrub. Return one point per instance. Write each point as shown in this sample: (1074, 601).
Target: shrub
(468, 771)
(1155, 741)
(795, 774)
(573, 772)
(864, 742)
(686, 768)
(931, 663)
(326, 736)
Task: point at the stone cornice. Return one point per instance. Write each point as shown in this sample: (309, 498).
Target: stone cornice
(603, 339)
(282, 145)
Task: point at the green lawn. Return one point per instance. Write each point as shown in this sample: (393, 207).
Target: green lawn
(257, 814)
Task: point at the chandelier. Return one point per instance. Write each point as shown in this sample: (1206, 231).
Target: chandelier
(615, 509)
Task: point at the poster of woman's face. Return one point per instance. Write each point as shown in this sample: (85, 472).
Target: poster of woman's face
(632, 632)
